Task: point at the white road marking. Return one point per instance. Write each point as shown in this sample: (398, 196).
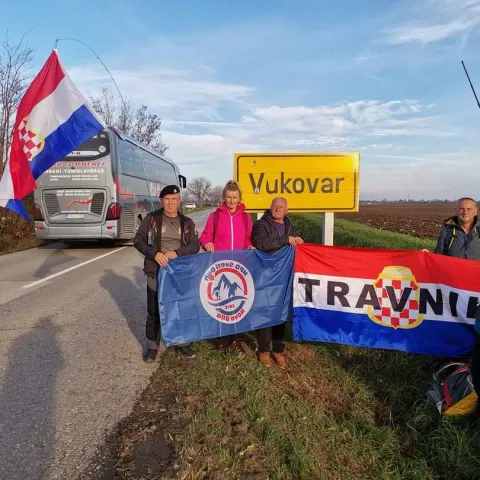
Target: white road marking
(72, 268)
(203, 216)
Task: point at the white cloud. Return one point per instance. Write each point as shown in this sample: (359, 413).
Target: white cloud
(340, 127)
(362, 117)
(166, 91)
(442, 19)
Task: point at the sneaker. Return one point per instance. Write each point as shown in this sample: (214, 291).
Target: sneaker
(265, 359)
(237, 347)
(150, 355)
(186, 351)
(280, 359)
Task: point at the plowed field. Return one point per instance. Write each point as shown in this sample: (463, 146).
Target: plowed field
(420, 220)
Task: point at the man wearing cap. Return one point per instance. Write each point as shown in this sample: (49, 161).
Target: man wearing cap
(163, 234)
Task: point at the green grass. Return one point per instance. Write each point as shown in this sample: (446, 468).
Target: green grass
(317, 422)
(338, 412)
(16, 233)
(353, 234)
(10, 244)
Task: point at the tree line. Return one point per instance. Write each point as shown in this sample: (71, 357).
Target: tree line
(200, 191)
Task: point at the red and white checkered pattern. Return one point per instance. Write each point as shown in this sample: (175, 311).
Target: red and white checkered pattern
(31, 142)
(388, 316)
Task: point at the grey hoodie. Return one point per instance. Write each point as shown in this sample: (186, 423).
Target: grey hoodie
(454, 242)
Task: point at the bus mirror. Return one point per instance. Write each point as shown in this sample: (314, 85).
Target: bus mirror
(183, 181)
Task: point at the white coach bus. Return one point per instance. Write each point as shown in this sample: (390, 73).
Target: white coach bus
(103, 190)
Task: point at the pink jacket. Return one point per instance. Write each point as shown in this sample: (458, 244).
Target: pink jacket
(233, 232)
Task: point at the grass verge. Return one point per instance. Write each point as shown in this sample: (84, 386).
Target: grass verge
(353, 234)
(16, 233)
(338, 412)
(11, 244)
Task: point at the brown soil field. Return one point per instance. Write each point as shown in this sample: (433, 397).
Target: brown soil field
(420, 220)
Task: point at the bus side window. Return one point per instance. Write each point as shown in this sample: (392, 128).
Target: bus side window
(125, 154)
(159, 171)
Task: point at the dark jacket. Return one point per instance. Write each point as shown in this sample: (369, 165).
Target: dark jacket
(265, 236)
(148, 239)
(454, 242)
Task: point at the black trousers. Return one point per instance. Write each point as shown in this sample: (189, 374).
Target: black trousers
(152, 329)
(475, 368)
(271, 336)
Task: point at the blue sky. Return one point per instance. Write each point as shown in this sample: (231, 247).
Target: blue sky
(382, 78)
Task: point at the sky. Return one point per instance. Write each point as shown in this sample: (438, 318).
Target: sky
(381, 78)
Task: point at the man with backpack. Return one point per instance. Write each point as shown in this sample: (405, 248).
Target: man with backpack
(460, 237)
(163, 235)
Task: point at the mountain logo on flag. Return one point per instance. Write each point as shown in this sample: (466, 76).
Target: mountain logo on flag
(398, 295)
(227, 291)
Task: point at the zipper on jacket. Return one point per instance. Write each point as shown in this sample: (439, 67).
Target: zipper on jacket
(231, 227)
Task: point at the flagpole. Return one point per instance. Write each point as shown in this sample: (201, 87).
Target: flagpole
(99, 59)
(469, 81)
(123, 101)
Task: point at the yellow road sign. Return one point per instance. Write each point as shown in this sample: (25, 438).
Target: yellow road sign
(311, 182)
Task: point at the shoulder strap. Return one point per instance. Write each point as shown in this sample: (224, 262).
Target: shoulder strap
(245, 221)
(449, 238)
(477, 232)
(216, 219)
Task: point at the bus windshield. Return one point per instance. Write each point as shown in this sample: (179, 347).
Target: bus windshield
(96, 147)
(88, 165)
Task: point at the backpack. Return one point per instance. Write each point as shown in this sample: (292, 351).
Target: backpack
(451, 390)
(216, 219)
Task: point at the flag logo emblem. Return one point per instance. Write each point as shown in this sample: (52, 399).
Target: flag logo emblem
(227, 291)
(31, 142)
(398, 294)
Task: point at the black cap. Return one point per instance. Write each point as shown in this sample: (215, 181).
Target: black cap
(169, 190)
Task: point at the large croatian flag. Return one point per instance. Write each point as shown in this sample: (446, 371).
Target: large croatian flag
(53, 119)
(395, 299)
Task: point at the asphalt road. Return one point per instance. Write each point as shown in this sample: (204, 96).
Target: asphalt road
(71, 339)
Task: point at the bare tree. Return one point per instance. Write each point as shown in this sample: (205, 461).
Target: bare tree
(215, 195)
(15, 60)
(199, 189)
(139, 123)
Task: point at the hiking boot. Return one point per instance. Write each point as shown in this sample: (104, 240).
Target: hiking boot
(186, 351)
(265, 359)
(280, 359)
(150, 355)
(237, 347)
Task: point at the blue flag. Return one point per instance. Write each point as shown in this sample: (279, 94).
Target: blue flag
(212, 295)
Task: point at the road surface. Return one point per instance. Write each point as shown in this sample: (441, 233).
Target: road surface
(71, 338)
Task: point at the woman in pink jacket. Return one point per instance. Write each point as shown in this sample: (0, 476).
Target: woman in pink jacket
(229, 227)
